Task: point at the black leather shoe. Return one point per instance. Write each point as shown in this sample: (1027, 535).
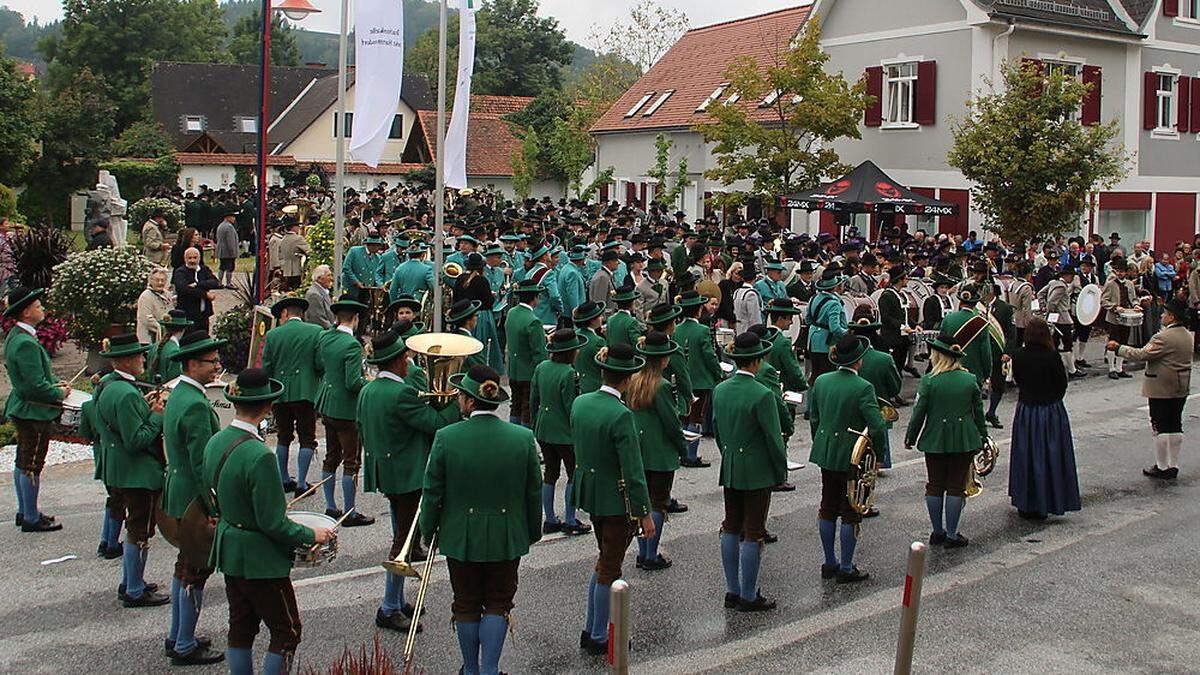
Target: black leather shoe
(169, 645)
(639, 562)
(770, 539)
(731, 600)
(102, 550)
(1155, 472)
(694, 463)
(660, 563)
(871, 513)
(852, 577)
(357, 519)
(408, 609)
(148, 598)
(151, 587)
(759, 604)
(200, 656)
(676, 506)
(958, 541)
(1081, 363)
(397, 622)
(994, 421)
(1112, 375)
(584, 639)
(43, 525)
(1077, 375)
(1171, 473)
(783, 487)
(418, 554)
(576, 529)
(300, 489)
(596, 648)
(290, 486)
(551, 528)
(1125, 376)
(937, 538)
(336, 514)
(829, 571)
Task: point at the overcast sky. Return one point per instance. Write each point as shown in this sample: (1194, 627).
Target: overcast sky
(579, 18)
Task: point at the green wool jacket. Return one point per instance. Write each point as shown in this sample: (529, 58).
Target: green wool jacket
(397, 427)
(551, 394)
(289, 355)
(977, 356)
(526, 343)
(254, 537)
(680, 379)
(483, 490)
(783, 358)
(159, 366)
(607, 450)
(769, 377)
(622, 328)
(840, 401)
(129, 433)
(340, 363)
(948, 414)
(585, 361)
(89, 430)
(659, 432)
(747, 428)
(478, 358)
(189, 422)
(35, 395)
(704, 367)
(879, 368)
(417, 378)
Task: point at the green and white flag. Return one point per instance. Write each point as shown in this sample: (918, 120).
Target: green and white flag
(455, 171)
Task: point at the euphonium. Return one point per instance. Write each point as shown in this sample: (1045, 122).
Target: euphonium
(888, 411)
(982, 464)
(864, 470)
(442, 355)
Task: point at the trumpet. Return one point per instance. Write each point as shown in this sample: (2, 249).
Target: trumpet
(157, 396)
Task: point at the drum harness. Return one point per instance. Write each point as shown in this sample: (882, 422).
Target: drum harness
(215, 509)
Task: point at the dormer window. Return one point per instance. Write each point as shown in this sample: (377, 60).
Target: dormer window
(770, 99)
(638, 106)
(717, 93)
(247, 125)
(659, 103)
(193, 123)
(733, 98)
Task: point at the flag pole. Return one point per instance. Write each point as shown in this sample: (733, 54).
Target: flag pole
(339, 181)
(440, 181)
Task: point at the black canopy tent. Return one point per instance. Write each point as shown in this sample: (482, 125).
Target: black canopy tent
(867, 189)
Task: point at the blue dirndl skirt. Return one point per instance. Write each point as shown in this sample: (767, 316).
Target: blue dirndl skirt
(1042, 478)
(485, 332)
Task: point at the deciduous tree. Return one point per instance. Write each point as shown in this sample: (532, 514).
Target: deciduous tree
(18, 122)
(647, 33)
(245, 45)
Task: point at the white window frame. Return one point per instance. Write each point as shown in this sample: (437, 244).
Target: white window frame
(1189, 11)
(717, 93)
(640, 103)
(733, 98)
(189, 119)
(1171, 131)
(887, 65)
(252, 122)
(662, 99)
(770, 99)
(1062, 61)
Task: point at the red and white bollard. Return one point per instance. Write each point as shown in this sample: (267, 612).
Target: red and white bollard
(911, 606)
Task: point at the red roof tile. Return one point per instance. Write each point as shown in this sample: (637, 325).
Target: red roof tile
(695, 66)
(490, 140)
(230, 159)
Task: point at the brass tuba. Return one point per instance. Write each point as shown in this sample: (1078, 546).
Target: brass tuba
(982, 464)
(864, 471)
(442, 355)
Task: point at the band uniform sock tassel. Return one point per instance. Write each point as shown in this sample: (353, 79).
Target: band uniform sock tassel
(548, 504)
(730, 562)
(492, 630)
(281, 456)
(603, 599)
(590, 620)
(849, 542)
(1162, 446)
(468, 645)
(241, 661)
(569, 505)
(303, 461)
(328, 489)
(828, 529)
(933, 503)
(750, 559)
(954, 509)
(173, 631)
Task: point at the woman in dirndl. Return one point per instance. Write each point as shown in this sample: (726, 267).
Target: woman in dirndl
(474, 285)
(1042, 477)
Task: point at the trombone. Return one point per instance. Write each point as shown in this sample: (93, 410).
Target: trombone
(401, 566)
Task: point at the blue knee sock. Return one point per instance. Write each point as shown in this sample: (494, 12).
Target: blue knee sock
(954, 509)
(729, 562)
(273, 664)
(569, 505)
(328, 489)
(114, 534)
(189, 614)
(468, 644)
(32, 512)
(131, 562)
(693, 448)
(240, 661)
(492, 630)
(603, 597)
(281, 456)
(28, 503)
(652, 544)
(934, 505)
(393, 593)
(106, 528)
(19, 488)
(849, 541)
(591, 605)
(548, 504)
(828, 531)
(642, 544)
(303, 460)
(750, 560)
(173, 631)
(349, 489)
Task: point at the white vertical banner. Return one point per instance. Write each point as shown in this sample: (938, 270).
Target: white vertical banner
(379, 73)
(456, 137)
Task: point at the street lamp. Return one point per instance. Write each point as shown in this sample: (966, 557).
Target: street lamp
(295, 10)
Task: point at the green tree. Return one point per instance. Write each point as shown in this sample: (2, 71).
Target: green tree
(143, 139)
(539, 120)
(785, 145)
(647, 33)
(571, 150)
(121, 39)
(245, 44)
(517, 52)
(661, 171)
(18, 122)
(1031, 162)
(602, 83)
(525, 164)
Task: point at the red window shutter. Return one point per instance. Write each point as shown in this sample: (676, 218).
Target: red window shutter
(1091, 103)
(1039, 66)
(1170, 7)
(642, 196)
(604, 193)
(630, 194)
(1196, 104)
(1184, 102)
(874, 114)
(708, 207)
(926, 112)
(1150, 100)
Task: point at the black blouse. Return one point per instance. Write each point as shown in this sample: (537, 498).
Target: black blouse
(1040, 374)
(477, 288)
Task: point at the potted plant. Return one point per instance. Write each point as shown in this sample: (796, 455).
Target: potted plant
(97, 292)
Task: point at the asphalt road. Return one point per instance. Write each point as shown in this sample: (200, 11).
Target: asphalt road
(1108, 589)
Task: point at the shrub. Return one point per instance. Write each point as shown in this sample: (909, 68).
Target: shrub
(140, 212)
(96, 289)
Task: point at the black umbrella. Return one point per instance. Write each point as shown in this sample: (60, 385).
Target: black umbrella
(867, 189)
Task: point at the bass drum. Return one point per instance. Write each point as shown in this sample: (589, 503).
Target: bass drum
(852, 303)
(1087, 305)
(918, 292)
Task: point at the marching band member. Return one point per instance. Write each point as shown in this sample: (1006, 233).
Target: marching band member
(603, 286)
(289, 355)
(160, 367)
(549, 304)
(130, 429)
(622, 327)
(553, 391)
(947, 425)
(753, 459)
(414, 277)
(1001, 314)
(33, 405)
(114, 514)
(656, 416)
(474, 287)
(610, 481)
(1058, 304)
(1168, 358)
(482, 478)
(841, 400)
(571, 283)
(747, 303)
(652, 287)
(397, 428)
(663, 318)
(339, 361)
(781, 313)
(826, 319)
(463, 318)
(525, 347)
(1087, 277)
(878, 368)
(588, 318)
(969, 331)
(771, 287)
(404, 308)
(938, 305)
(1119, 293)
(189, 421)
(1021, 296)
(704, 369)
(254, 537)
(893, 316)
(360, 269)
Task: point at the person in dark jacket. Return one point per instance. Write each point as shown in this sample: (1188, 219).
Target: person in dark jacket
(194, 285)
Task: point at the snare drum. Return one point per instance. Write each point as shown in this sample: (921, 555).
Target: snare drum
(319, 554)
(1130, 317)
(72, 408)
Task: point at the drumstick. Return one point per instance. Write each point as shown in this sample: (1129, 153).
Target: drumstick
(311, 489)
(335, 527)
(81, 372)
